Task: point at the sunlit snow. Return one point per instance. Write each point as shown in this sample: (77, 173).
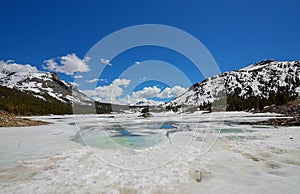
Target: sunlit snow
(205, 153)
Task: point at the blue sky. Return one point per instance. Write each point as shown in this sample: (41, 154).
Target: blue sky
(236, 33)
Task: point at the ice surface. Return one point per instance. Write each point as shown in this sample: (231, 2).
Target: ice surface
(207, 153)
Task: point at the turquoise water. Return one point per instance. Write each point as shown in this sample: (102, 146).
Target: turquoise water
(115, 136)
(121, 138)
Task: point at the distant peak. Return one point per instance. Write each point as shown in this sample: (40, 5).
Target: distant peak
(257, 65)
(263, 62)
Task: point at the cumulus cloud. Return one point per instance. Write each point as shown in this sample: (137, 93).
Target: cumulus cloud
(12, 66)
(155, 92)
(178, 90)
(69, 64)
(112, 93)
(147, 92)
(92, 80)
(106, 62)
(172, 92)
(77, 76)
(50, 64)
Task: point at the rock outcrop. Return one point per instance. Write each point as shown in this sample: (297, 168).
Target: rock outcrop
(291, 109)
(10, 120)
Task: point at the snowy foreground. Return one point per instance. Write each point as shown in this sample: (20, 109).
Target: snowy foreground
(203, 153)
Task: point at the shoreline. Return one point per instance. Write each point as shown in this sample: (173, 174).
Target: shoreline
(11, 120)
(288, 118)
(291, 109)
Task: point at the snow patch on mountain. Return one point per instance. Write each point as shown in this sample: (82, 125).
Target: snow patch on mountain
(40, 84)
(147, 103)
(259, 79)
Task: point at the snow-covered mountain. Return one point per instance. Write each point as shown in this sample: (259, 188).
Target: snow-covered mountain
(259, 79)
(147, 103)
(43, 84)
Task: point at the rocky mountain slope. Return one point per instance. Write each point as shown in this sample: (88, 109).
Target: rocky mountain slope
(25, 93)
(43, 84)
(260, 80)
(23, 103)
(255, 86)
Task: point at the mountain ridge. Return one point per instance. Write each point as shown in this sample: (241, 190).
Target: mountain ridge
(260, 79)
(259, 84)
(40, 84)
(42, 93)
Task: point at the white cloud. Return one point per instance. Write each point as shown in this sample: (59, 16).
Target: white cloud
(50, 64)
(154, 92)
(77, 76)
(137, 63)
(172, 92)
(69, 64)
(112, 92)
(178, 90)
(108, 93)
(103, 80)
(92, 80)
(166, 93)
(12, 66)
(10, 61)
(106, 62)
(147, 92)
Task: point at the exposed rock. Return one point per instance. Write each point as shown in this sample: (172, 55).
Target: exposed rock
(291, 109)
(10, 120)
(55, 76)
(146, 115)
(198, 175)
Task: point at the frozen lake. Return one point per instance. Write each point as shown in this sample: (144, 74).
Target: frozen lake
(166, 153)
